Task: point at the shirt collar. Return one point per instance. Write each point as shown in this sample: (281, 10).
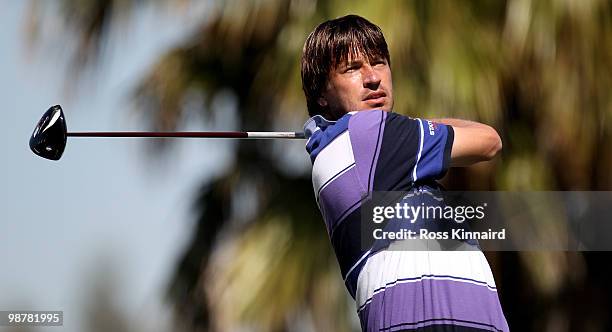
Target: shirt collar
(318, 122)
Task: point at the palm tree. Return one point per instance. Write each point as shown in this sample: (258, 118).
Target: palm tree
(537, 71)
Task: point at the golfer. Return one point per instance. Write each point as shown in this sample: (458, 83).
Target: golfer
(357, 146)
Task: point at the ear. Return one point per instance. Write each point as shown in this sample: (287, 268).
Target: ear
(322, 101)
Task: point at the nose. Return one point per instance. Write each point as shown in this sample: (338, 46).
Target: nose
(370, 77)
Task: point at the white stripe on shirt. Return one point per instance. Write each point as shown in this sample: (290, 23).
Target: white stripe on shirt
(387, 267)
(414, 173)
(334, 158)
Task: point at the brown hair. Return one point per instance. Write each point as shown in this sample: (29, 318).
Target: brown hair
(330, 44)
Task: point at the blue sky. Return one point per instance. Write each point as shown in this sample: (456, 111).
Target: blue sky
(102, 210)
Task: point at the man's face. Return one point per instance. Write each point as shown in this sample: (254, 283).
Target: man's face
(358, 84)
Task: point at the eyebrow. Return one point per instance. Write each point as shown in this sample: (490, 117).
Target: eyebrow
(353, 62)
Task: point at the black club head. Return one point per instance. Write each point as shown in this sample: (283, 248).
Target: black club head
(49, 137)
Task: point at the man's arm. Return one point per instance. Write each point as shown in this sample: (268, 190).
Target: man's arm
(474, 142)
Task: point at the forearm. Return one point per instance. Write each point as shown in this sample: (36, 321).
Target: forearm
(474, 142)
(456, 123)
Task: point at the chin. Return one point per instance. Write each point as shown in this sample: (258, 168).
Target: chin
(382, 107)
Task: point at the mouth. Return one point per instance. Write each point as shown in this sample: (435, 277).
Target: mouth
(375, 98)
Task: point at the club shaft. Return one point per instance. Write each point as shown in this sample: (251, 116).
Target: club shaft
(193, 134)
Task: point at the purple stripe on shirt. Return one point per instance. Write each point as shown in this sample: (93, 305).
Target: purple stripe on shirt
(366, 145)
(339, 196)
(421, 301)
(443, 325)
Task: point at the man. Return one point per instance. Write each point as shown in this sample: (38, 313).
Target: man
(358, 146)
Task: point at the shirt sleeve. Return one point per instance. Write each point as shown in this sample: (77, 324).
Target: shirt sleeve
(435, 144)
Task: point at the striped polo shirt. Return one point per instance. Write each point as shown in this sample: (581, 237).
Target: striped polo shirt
(369, 151)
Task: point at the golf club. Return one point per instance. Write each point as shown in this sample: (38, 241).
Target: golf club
(50, 134)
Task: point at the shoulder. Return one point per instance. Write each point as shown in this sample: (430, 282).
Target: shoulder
(373, 118)
(322, 132)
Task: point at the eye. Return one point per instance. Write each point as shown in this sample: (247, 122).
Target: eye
(351, 68)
